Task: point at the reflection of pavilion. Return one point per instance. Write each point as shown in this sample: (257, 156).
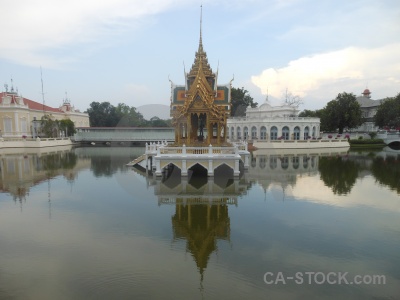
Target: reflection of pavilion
(201, 209)
(201, 226)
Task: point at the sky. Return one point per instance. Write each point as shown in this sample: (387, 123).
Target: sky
(126, 51)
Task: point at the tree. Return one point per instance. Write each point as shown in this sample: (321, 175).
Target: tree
(67, 126)
(240, 100)
(340, 113)
(128, 116)
(311, 113)
(102, 115)
(388, 113)
(49, 126)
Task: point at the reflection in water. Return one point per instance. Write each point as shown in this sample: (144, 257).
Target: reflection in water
(386, 170)
(19, 172)
(201, 225)
(109, 244)
(338, 173)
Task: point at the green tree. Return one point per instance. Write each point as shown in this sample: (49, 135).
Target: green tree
(342, 112)
(311, 113)
(388, 113)
(67, 126)
(49, 126)
(240, 100)
(128, 116)
(102, 115)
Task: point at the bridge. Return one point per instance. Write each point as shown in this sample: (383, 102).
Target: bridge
(123, 135)
(389, 137)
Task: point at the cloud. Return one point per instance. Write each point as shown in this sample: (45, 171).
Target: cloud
(337, 71)
(32, 31)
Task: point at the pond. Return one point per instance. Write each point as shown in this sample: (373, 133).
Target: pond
(78, 224)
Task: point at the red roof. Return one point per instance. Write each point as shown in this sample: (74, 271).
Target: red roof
(32, 104)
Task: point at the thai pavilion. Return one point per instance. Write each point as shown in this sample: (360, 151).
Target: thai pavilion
(200, 108)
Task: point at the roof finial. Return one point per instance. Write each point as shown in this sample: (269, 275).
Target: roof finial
(201, 24)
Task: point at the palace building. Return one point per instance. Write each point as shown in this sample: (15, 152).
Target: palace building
(18, 115)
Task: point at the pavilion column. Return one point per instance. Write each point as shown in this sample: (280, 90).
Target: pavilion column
(209, 133)
(178, 133)
(218, 134)
(189, 129)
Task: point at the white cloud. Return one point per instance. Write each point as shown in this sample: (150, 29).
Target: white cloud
(30, 28)
(349, 69)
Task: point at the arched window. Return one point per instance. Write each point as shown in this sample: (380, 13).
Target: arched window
(296, 132)
(253, 132)
(245, 132)
(295, 162)
(238, 133)
(232, 137)
(262, 159)
(274, 133)
(263, 133)
(306, 132)
(313, 132)
(285, 133)
(273, 162)
(284, 162)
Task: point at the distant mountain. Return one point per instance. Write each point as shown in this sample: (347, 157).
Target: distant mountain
(154, 110)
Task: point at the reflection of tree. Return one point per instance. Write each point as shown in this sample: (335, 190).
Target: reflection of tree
(54, 162)
(387, 171)
(107, 165)
(201, 225)
(338, 173)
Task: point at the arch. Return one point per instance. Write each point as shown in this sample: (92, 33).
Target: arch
(245, 132)
(263, 133)
(284, 162)
(306, 132)
(238, 133)
(223, 170)
(232, 137)
(285, 132)
(295, 162)
(253, 162)
(313, 132)
(273, 162)
(274, 133)
(296, 133)
(305, 162)
(254, 132)
(262, 162)
(198, 170)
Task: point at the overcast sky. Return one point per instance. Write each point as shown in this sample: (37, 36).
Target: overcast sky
(125, 50)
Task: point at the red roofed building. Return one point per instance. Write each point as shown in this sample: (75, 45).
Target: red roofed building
(17, 114)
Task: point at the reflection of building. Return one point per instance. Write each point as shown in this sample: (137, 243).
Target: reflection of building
(201, 210)
(282, 167)
(18, 114)
(270, 123)
(201, 226)
(21, 171)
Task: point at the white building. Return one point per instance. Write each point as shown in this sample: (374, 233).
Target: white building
(18, 114)
(272, 123)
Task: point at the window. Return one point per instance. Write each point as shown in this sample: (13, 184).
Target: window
(285, 133)
(296, 133)
(263, 133)
(7, 125)
(274, 133)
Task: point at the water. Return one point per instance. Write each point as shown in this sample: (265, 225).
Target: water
(78, 224)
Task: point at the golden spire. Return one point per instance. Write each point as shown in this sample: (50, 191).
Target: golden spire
(201, 55)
